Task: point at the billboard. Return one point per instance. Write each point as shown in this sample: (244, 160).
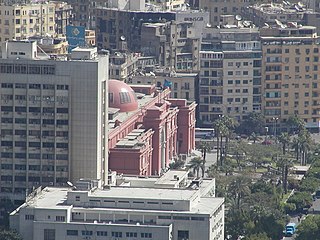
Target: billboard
(75, 37)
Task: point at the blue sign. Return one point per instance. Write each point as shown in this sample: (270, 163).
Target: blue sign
(76, 37)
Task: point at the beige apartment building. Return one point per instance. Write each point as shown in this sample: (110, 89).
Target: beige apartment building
(23, 21)
(230, 73)
(290, 73)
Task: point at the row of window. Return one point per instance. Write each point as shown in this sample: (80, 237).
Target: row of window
(27, 69)
(287, 50)
(36, 133)
(7, 166)
(34, 144)
(47, 156)
(35, 98)
(105, 233)
(34, 109)
(7, 178)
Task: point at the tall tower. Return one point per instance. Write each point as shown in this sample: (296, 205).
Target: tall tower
(53, 118)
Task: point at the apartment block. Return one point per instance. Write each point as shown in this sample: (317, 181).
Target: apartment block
(290, 73)
(230, 73)
(171, 207)
(174, 44)
(183, 84)
(274, 14)
(23, 21)
(53, 126)
(217, 8)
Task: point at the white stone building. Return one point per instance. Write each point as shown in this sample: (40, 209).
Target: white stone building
(170, 207)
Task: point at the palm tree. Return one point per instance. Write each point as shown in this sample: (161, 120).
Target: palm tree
(304, 140)
(218, 129)
(196, 164)
(254, 137)
(284, 162)
(205, 148)
(239, 188)
(296, 146)
(284, 139)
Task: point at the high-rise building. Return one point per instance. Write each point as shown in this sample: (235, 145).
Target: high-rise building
(53, 117)
(275, 14)
(175, 44)
(290, 73)
(170, 207)
(221, 7)
(23, 20)
(230, 73)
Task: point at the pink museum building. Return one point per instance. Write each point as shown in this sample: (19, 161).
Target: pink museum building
(147, 129)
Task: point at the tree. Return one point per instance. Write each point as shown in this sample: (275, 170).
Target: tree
(309, 228)
(254, 122)
(238, 152)
(205, 148)
(284, 162)
(258, 236)
(254, 137)
(301, 200)
(9, 235)
(295, 124)
(239, 188)
(196, 164)
(284, 139)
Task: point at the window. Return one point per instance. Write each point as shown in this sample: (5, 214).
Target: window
(49, 234)
(245, 73)
(131, 234)
(245, 81)
(86, 233)
(146, 235)
(29, 217)
(183, 234)
(230, 73)
(230, 82)
(102, 233)
(116, 234)
(164, 217)
(72, 233)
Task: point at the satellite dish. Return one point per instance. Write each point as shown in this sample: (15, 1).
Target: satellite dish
(267, 25)
(209, 25)
(246, 23)
(122, 38)
(70, 184)
(238, 17)
(296, 7)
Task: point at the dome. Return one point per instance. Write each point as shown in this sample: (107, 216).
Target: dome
(122, 96)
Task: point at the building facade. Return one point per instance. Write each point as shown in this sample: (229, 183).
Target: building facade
(230, 75)
(146, 134)
(51, 114)
(290, 72)
(23, 21)
(170, 207)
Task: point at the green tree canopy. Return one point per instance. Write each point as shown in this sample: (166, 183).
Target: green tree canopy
(9, 235)
(253, 123)
(309, 228)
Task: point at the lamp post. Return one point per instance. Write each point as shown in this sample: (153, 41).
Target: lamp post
(275, 119)
(266, 131)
